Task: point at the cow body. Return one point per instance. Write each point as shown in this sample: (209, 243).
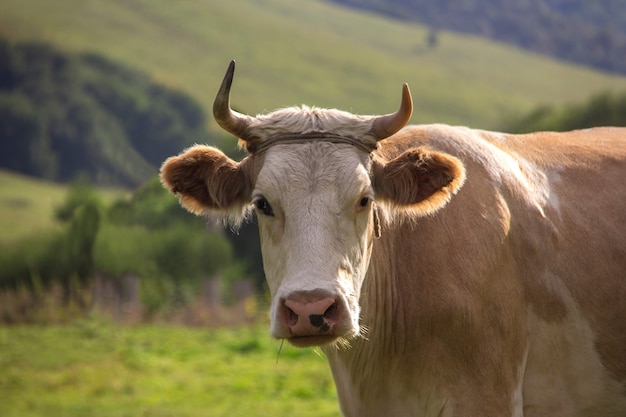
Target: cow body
(444, 271)
(509, 301)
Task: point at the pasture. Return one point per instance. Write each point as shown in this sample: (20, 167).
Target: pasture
(96, 368)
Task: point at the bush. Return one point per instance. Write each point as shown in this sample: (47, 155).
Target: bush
(64, 257)
(151, 206)
(125, 250)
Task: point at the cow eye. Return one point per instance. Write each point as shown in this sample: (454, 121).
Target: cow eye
(263, 206)
(362, 204)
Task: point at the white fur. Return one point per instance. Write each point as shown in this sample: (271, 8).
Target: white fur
(307, 119)
(504, 167)
(315, 240)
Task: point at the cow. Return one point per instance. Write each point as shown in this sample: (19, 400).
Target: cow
(443, 271)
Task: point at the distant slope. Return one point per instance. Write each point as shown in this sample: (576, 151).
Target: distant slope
(27, 205)
(292, 52)
(587, 32)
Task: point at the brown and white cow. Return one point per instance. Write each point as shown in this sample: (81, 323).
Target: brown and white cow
(445, 271)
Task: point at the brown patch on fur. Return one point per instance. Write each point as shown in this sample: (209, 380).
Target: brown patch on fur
(419, 178)
(206, 179)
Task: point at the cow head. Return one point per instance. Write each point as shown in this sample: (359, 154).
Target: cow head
(317, 183)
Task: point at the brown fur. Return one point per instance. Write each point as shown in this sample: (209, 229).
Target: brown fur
(511, 298)
(418, 180)
(453, 301)
(206, 180)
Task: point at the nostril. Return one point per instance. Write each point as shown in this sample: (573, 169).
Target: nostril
(291, 318)
(317, 320)
(332, 312)
(326, 320)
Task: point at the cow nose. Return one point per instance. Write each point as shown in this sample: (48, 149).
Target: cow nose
(310, 314)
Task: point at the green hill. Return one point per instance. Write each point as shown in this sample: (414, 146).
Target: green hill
(587, 32)
(27, 205)
(292, 52)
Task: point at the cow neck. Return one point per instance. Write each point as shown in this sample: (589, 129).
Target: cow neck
(256, 148)
(380, 353)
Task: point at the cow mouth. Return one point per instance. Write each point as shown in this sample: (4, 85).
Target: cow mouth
(314, 340)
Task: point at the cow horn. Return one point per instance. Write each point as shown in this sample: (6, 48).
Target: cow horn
(387, 125)
(228, 119)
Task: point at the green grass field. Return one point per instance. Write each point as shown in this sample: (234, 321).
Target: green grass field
(95, 368)
(314, 52)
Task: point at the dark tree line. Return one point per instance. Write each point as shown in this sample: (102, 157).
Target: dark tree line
(62, 114)
(605, 109)
(591, 33)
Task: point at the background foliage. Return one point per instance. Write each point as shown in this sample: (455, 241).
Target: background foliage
(147, 235)
(62, 114)
(603, 109)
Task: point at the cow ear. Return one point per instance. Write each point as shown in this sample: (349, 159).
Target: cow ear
(419, 180)
(207, 181)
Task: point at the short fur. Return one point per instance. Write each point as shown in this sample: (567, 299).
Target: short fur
(498, 285)
(208, 182)
(419, 181)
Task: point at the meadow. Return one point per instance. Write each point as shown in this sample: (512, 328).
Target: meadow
(96, 368)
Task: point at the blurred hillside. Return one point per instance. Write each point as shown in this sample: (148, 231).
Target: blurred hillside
(63, 114)
(587, 32)
(313, 52)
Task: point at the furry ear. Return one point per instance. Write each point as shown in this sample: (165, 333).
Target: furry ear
(419, 180)
(207, 181)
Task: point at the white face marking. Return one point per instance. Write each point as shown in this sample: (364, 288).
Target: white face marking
(317, 235)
